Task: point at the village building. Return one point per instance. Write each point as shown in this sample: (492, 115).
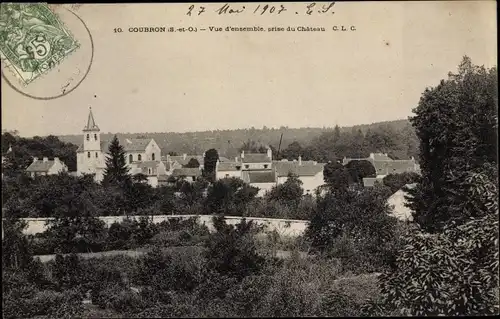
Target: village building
(384, 165)
(142, 155)
(309, 172)
(228, 169)
(264, 180)
(398, 204)
(190, 174)
(259, 170)
(46, 167)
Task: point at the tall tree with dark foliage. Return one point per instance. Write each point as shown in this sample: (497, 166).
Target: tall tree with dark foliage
(456, 123)
(116, 171)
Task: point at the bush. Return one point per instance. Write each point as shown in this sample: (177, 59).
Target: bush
(119, 298)
(452, 273)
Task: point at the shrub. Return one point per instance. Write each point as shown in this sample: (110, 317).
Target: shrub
(453, 273)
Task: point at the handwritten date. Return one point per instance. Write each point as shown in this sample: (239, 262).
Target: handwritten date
(262, 9)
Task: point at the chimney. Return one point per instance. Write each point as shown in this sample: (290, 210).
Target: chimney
(242, 154)
(45, 159)
(300, 160)
(35, 159)
(184, 156)
(236, 159)
(269, 153)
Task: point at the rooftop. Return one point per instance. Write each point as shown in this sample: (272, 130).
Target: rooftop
(41, 165)
(186, 172)
(252, 177)
(255, 158)
(304, 168)
(91, 126)
(228, 166)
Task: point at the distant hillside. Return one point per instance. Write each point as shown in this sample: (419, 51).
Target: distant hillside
(226, 141)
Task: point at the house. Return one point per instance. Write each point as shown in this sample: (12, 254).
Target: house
(151, 169)
(309, 172)
(183, 160)
(228, 169)
(384, 165)
(257, 161)
(188, 174)
(46, 167)
(92, 153)
(263, 180)
(397, 203)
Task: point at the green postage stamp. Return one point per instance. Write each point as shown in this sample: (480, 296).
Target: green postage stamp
(33, 40)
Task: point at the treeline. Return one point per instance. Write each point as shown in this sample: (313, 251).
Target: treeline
(323, 145)
(22, 150)
(320, 144)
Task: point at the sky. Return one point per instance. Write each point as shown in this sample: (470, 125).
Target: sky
(181, 82)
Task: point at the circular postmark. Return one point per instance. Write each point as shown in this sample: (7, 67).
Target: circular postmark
(52, 54)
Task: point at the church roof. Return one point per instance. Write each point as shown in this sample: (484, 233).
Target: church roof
(91, 126)
(129, 144)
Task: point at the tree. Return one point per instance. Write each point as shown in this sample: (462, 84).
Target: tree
(193, 163)
(359, 169)
(140, 178)
(293, 151)
(209, 163)
(116, 171)
(231, 250)
(456, 123)
(359, 213)
(336, 176)
(251, 146)
(289, 193)
(453, 273)
(229, 196)
(397, 181)
(15, 246)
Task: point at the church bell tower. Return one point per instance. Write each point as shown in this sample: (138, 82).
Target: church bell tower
(91, 135)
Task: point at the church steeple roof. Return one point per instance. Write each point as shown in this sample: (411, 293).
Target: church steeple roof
(91, 126)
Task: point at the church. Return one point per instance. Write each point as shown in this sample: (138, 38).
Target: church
(142, 155)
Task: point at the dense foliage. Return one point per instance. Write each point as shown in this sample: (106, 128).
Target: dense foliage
(449, 265)
(225, 277)
(456, 123)
(116, 171)
(24, 149)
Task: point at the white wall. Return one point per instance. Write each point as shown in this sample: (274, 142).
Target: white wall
(285, 227)
(263, 187)
(150, 149)
(57, 168)
(259, 166)
(308, 182)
